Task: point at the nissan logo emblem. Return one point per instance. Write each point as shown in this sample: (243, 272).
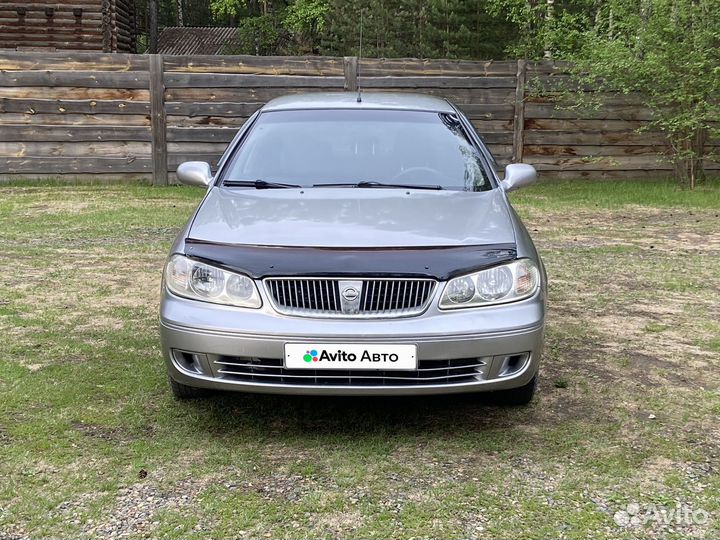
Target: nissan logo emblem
(350, 294)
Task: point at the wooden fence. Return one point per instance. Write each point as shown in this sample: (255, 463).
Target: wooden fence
(119, 115)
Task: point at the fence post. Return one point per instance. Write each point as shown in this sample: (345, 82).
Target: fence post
(350, 70)
(157, 121)
(519, 114)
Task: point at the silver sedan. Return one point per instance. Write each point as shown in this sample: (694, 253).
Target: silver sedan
(351, 247)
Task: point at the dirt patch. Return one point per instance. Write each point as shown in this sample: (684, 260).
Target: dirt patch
(113, 435)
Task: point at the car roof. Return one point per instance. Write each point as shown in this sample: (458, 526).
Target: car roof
(370, 100)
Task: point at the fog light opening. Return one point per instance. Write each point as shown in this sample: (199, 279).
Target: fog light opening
(512, 363)
(188, 361)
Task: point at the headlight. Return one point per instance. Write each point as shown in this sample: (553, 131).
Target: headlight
(200, 281)
(498, 285)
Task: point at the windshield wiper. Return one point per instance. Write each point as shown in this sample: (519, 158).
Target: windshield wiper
(258, 184)
(366, 184)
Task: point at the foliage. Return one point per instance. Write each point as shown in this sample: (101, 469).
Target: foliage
(305, 19)
(667, 51)
(435, 28)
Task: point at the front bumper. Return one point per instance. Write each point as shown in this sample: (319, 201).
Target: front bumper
(209, 334)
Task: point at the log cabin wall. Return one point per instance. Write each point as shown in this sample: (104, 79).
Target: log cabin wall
(72, 25)
(123, 116)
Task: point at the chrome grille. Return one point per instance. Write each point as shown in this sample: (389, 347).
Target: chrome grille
(333, 297)
(272, 371)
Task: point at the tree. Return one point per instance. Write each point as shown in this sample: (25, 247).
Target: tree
(667, 51)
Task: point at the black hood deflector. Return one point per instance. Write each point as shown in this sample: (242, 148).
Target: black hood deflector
(267, 261)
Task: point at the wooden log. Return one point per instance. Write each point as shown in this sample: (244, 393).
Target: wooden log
(499, 137)
(159, 136)
(237, 95)
(223, 80)
(519, 112)
(185, 134)
(76, 61)
(76, 119)
(605, 112)
(200, 147)
(64, 106)
(20, 133)
(74, 46)
(258, 65)
(76, 149)
(438, 82)
(435, 68)
(79, 79)
(488, 111)
(503, 151)
(61, 165)
(176, 159)
(218, 121)
(606, 98)
(626, 163)
(108, 120)
(484, 126)
(61, 18)
(581, 125)
(594, 138)
(89, 5)
(65, 32)
(95, 94)
(591, 150)
(180, 108)
(459, 96)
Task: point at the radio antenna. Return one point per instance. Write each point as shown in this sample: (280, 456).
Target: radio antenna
(357, 71)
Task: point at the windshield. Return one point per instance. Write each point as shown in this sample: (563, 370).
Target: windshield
(313, 147)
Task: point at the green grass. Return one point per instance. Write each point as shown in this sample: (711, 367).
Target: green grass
(632, 333)
(614, 193)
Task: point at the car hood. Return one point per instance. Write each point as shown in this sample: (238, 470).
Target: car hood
(353, 217)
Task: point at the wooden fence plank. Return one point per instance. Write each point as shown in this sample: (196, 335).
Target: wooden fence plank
(437, 82)
(157, 108)
(435, 68)
(459, 96)
(20, 133)
(605, 112)
(581, 125)
(82, 79)
(96, 94)
(594, 138)
(75, 149)
(66, 106)
(258, 65)
(590, 150)
(489, 111)
(223, 80)
(219, 121)
(61, 165)
(599, 163)
(195, 134)
(76, 119)
(211, 109)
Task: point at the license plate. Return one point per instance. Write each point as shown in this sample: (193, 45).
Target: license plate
(350, 356)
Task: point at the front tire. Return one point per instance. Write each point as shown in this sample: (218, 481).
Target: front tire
(183, 391)
(515, 397)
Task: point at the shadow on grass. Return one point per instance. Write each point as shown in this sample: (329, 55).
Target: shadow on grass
(269, 416)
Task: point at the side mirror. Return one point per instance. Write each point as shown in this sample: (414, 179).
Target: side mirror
(194, 173)
(518, 175)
